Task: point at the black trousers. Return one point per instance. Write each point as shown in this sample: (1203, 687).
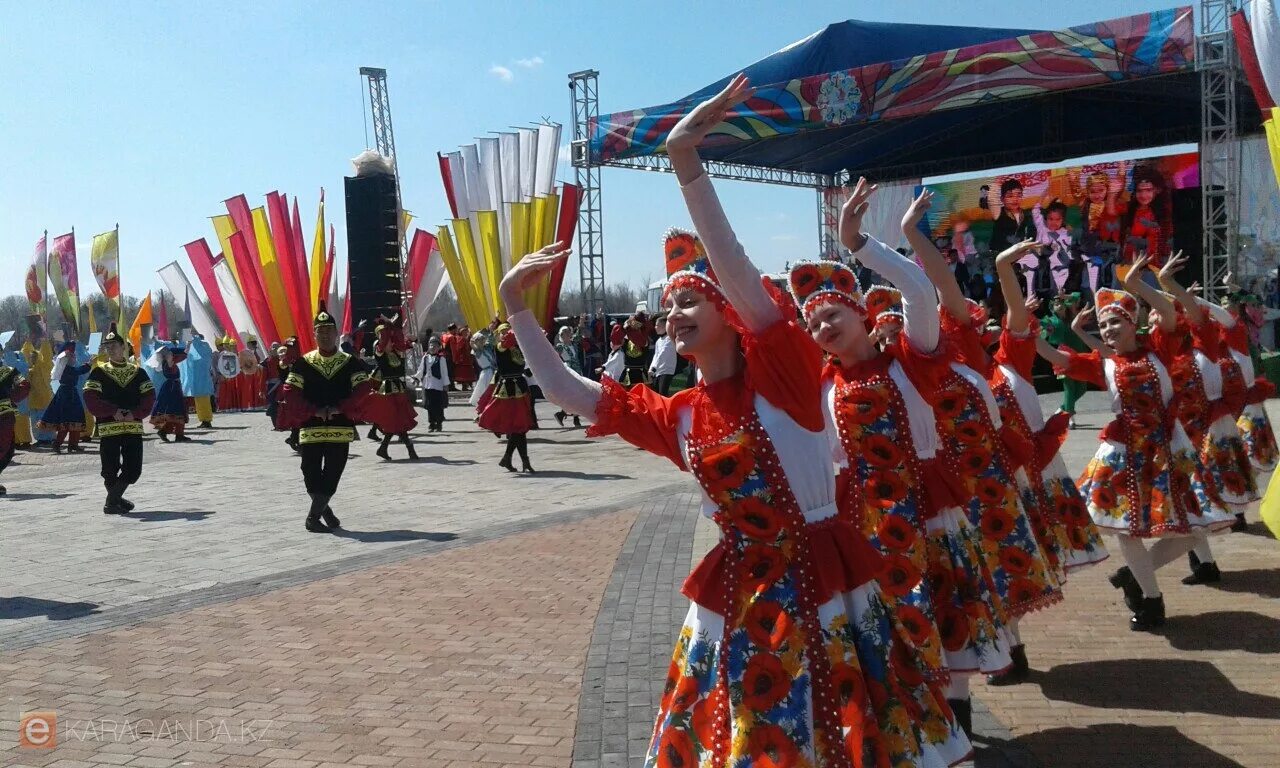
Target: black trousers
(322, 465)
(435, 406)
(663, 384)
(121, 459)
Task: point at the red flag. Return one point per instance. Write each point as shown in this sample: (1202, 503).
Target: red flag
(300, 262)
(346, 307)
(162, 322)
(447, 176)
(278, 212)
(1249, 60)
(569, 197)
(327, 283)
(202, 261)
(419, 253)
(242, 217)
(254, 296)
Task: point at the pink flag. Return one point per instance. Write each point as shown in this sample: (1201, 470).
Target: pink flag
(202, 262)
(162, 321)
(300, 260)
(254, 296)
(564, 233)
(346, 307)
(278, 211)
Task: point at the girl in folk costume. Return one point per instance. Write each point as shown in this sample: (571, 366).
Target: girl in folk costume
(14, 388)
(464, 364)
(486, 359)
(1212, 393)
(1254, 424)
(252, 379)
(633, 340)
(989, 455)
(392, 410)
(1144, 480)
(884, 438)
(788, 655)
(169, 413)
(505, 408)
(567, 348)
(22, 419)
(1060, 520)
(65, 415)
(226, 368)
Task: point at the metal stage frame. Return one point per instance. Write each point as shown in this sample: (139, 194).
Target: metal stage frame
(1219, 146)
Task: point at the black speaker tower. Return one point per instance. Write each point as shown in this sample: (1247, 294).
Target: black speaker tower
(373, 246)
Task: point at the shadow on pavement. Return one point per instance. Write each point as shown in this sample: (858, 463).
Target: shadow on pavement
(1257, 581)
(162, 516)
(549, 441)
(1224, 631)
(1162, 685)
(1258, 529)
(54, 610)
(26, 496)
(1122, 745)
(382, 537)
(572, 475)
(438, 460)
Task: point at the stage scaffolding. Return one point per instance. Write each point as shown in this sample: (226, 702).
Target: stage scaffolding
(1219, 147)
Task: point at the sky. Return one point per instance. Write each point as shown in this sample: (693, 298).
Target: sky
(149, 114)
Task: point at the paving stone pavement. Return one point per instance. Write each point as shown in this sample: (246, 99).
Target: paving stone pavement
(479, 618)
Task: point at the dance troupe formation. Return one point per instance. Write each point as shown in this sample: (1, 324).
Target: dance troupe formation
(888, 517)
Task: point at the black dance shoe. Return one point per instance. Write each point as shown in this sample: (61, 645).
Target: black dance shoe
(963, 710)
(506, 464)
(316, 526)
(1203, 573)
(1148, 615)
(1017, 673)
(1240, 525)
(330, 519)
(1123, 580)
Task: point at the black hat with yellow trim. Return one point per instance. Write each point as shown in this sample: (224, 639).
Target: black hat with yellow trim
(323, 318)
(113, 335)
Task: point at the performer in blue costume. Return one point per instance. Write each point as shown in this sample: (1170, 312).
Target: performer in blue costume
(65, 414)
(22, 424)
(197, 379)
(169, 414)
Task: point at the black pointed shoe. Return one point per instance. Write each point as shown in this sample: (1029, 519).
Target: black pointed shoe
(316, 526)
(963, 710)
(329, 518)
(1123, 580)
(1203, 573)
(1148, 615)
(1018, 671)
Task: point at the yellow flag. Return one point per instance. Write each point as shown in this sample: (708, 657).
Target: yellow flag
(224, 227)
(277, 299)
(468, 297)
(318, 251)
(93, 322)
(1272, 127)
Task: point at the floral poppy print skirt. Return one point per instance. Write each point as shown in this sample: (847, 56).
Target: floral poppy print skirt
(1227, 467)
(963, 604)
(1082, 543)
(888, 713)
(1173, 497)
(1259, 437)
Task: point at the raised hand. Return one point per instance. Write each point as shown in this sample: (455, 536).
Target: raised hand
(1016, 251)
(1083, 317)
(852, 213)
(916, 211)
(1135, 269)
(1175, 263)
(525, 274)
(1032, 304)
(695, 126)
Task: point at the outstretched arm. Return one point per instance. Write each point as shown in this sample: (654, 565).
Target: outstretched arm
(1092, 342)
(1195, 313)
(1051, 353)
(935, 267)
(738, 277)
(1018, 320)
(1134, 284)
(560, 385)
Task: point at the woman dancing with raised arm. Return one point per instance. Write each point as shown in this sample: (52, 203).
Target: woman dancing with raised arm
(1144, 481)
(885, 442)
(788, 655)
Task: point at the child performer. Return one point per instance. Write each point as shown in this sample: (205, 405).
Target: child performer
(325, 394)
(65, 415)
(434, 375)
(1144, 481)
(567, 348)
(120, 396)
(391, 410)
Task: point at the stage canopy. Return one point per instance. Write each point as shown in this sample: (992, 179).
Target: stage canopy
(908, 100)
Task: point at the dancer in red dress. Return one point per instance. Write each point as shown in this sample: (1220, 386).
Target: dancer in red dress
(505, 406)
(392, 410)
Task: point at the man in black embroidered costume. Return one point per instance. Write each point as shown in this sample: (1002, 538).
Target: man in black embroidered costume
(119, 395)
(324, 395)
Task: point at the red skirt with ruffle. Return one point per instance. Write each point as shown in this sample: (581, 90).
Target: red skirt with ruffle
(392, 413)
(505, 415)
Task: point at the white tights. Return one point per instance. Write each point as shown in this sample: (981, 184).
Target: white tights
(1203, 553)
(1144, 563)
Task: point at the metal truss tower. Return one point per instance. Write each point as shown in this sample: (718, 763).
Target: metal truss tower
(384, 139)
(586, 111)
(1219, 66)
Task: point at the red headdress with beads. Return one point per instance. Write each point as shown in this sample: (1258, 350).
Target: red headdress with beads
(814, 283)
(688, 265)
(1111, 301)
(884, 305)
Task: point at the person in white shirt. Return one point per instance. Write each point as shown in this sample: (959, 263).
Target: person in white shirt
(433, 372)
(663, 367)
